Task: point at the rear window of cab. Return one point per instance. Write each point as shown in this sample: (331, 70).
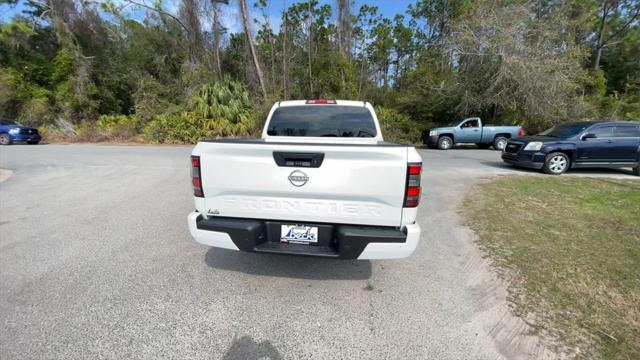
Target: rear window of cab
(322, 121)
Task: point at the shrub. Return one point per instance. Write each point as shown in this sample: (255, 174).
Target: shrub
(60, 131)
(397, 127)
(172, 128)
(87, 131)
(620, 106)
(225, 100)
(218, 109)
(13, 92)
(149, 99)
(53, 134)
(36, 111)
(64, 131)
(119, 127)
(187, 127)
(26, 102)
(259, 116)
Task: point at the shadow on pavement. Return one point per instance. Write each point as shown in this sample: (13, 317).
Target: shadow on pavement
(504, 166)
(602, 172)
(289, 266)
(594, 171)
(245, 348)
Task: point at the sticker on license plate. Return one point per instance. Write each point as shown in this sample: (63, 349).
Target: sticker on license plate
(298, 234)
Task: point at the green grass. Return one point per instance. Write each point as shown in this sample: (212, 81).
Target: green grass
(570, 249)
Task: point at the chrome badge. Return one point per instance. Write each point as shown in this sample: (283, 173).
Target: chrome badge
(298, 178)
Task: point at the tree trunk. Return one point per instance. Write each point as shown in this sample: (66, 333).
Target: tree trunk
(606, 10)
(273, 57)
(189, 10)
(362, 77)
(596, 64)
(385, 69)
(340, 30)
(348, 30)
(252, 47)
(310, 23)
(285, 58)
(344, 27)
(600, 44)
(217, 35)
(396, 69)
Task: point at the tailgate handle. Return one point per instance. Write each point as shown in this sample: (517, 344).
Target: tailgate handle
(288, 159)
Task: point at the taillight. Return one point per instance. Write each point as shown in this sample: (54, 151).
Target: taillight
(520, 132)
(321, 102)
(196, 180)
(412, 192)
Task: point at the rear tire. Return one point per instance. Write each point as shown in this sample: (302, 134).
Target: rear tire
(499, 143)
(445, 143)
(5, 139)
(636, 170)
(556, 163)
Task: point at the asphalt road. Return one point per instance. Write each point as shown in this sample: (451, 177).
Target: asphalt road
(96, 261)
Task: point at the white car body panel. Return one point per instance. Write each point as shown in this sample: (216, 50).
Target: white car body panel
(209, 238)
(361, 181)
(377, 251)
(355, 185)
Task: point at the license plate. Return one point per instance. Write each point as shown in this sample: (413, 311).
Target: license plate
(298, 234)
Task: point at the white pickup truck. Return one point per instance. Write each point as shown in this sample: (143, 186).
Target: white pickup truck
(321, 181)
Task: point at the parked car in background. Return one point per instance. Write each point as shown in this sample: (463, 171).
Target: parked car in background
(601, 144)
(12, 131)
(321, 182)
(470, 130)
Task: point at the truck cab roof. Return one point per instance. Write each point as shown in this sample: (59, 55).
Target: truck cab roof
(323, 121)
(321, 102)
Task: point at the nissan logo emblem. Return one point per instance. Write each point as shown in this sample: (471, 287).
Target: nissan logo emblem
(298, 178)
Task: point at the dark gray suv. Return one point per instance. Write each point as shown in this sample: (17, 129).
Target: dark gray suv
(595, 144)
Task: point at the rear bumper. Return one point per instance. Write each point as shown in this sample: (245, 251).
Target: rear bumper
(525, 159)
(335, 241)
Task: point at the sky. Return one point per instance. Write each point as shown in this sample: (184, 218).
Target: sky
(230, 18)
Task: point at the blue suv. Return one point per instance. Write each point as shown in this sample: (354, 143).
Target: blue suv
(599, 144)
(12, 131)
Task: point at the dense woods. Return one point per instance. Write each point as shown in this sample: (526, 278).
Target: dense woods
(128, 69)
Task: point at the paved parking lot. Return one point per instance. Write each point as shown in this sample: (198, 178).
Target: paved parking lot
(96, 262)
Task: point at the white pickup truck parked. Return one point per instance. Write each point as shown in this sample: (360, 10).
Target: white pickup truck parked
(321, 181)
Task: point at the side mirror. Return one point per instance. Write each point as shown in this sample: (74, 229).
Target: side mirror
(588, 136)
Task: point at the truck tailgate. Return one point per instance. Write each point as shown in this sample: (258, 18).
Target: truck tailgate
(354, 184)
